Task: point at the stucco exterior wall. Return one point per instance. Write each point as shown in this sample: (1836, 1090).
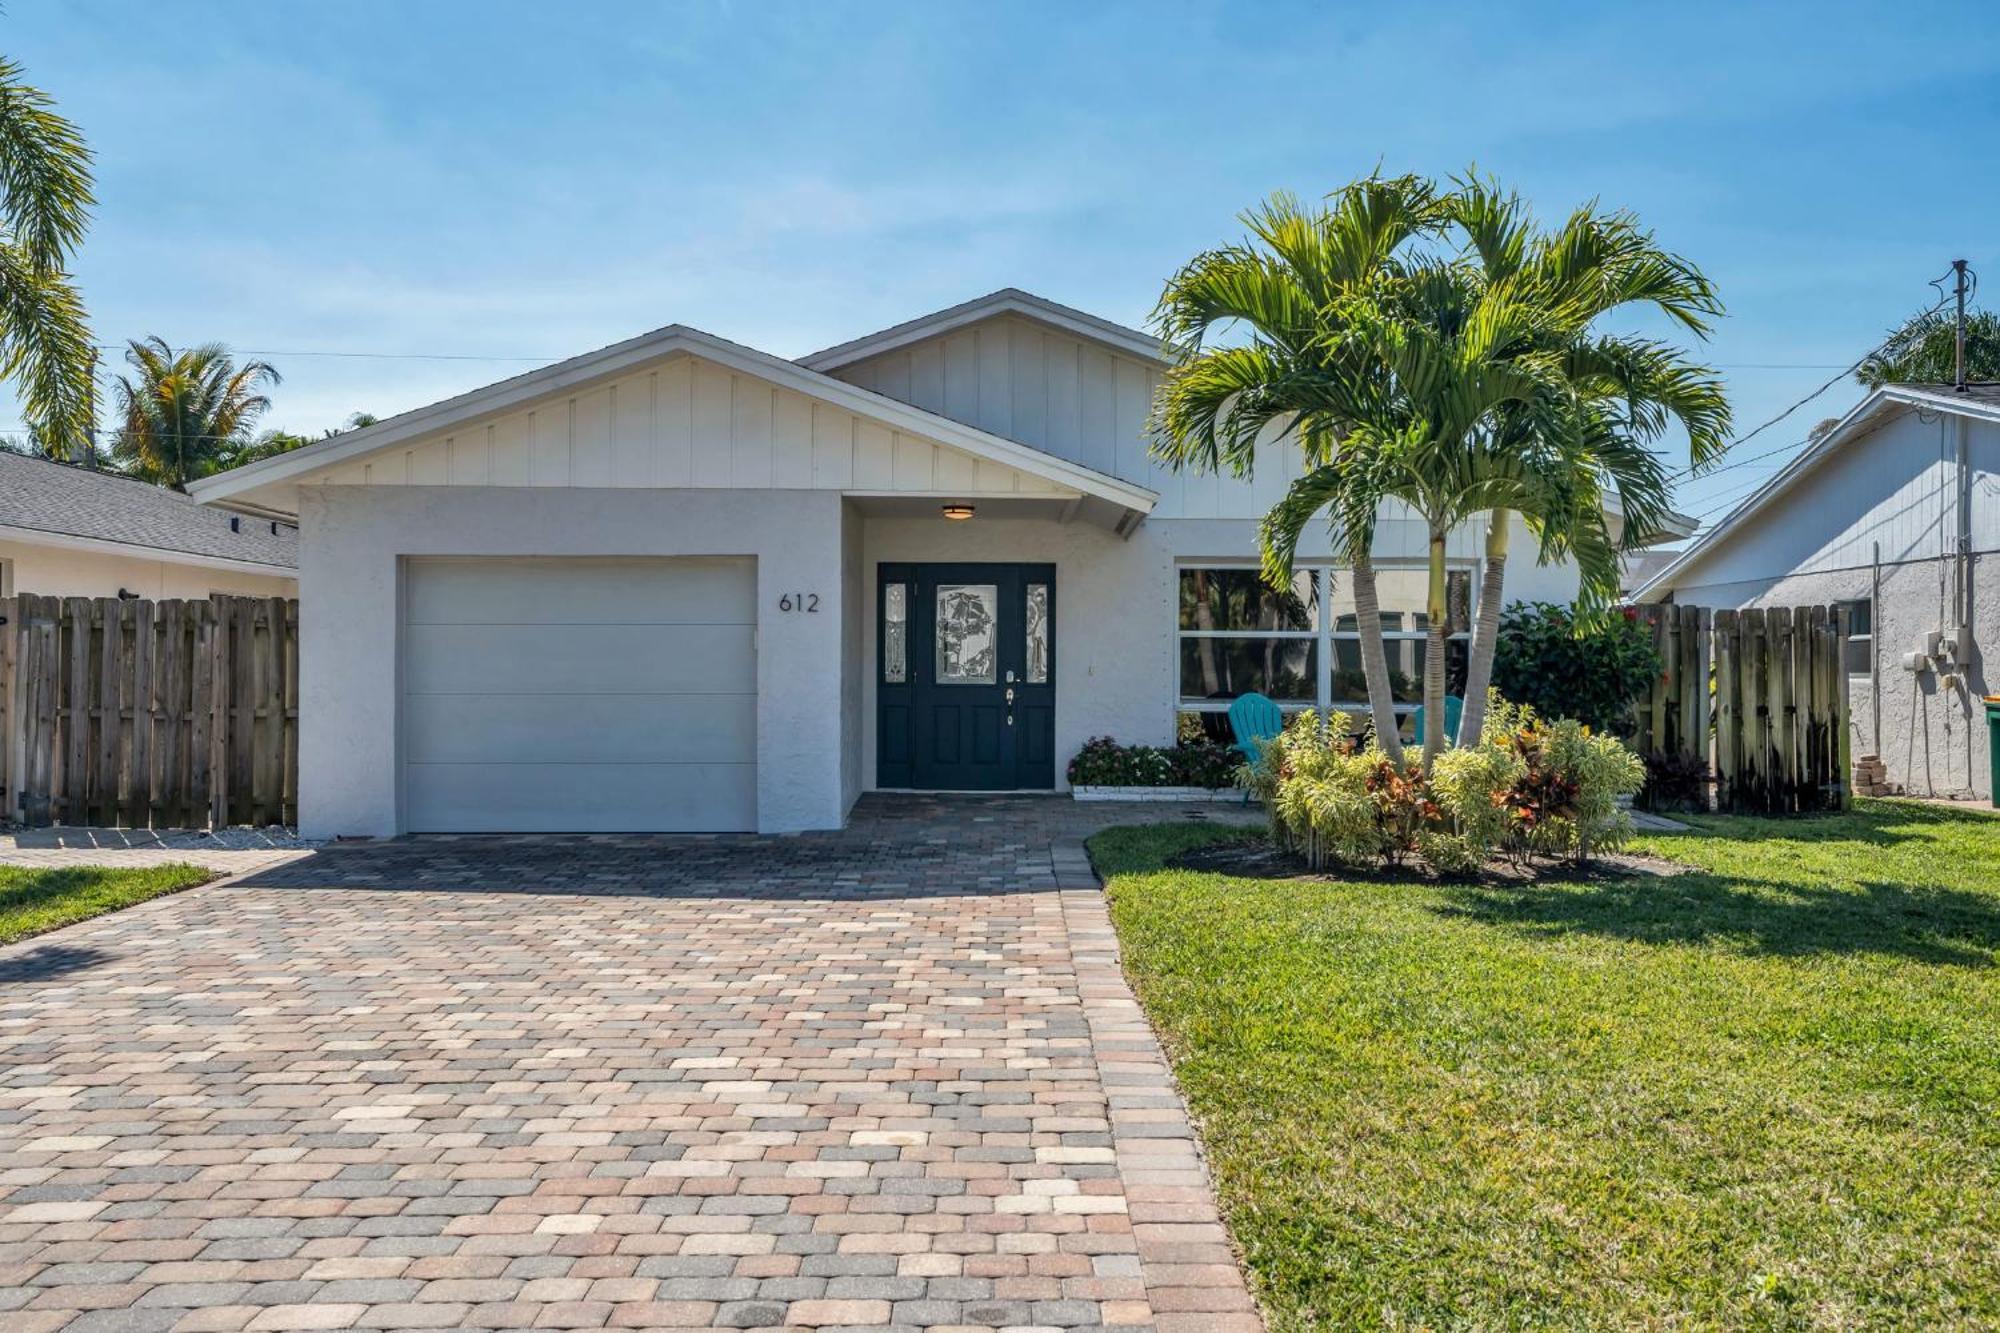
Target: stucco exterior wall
(1116, 604)
(1115, 634)
(55, 571)
(1933, 733)
(353, 540)
(1113, 630)
(852, 701)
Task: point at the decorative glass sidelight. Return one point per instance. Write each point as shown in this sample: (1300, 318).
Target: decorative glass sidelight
(968, 621)
(1038, 634)
(895, 633)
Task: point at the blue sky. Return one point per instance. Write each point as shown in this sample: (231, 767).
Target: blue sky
(529, 181)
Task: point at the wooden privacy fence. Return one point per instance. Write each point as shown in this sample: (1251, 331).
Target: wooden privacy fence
(169, 714)
(1758, 695)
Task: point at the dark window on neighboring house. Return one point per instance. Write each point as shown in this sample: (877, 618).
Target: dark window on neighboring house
(1859, 650)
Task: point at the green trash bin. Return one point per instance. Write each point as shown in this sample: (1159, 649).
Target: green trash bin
(1993, 747)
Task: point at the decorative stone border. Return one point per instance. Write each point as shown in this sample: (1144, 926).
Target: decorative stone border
(1083, 793)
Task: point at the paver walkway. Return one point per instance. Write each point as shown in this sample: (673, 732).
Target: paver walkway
(231, 852)
(888, 1078)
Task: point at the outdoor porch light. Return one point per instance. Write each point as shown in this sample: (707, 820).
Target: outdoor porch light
(957, 511)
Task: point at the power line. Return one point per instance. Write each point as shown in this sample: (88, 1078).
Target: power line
(21, 427)
(370, 356)
(1741, 440)
(1728, 499)
(1774, 365)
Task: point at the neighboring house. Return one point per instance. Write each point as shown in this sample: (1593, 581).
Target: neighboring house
(69, 531)
(1637, 568)
(683, 584)
(1895, 510)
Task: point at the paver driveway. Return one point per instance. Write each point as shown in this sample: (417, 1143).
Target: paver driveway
(891, 1077)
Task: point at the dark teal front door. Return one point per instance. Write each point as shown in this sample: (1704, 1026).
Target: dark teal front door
(965, 677)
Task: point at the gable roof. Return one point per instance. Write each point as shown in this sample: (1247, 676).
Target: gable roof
(243, 483)
(1008, 300)
(42, 499)
(1980, 401)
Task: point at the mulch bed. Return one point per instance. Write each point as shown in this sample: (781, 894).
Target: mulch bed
(1260, 858)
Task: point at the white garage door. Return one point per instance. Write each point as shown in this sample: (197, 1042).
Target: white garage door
(579, 695)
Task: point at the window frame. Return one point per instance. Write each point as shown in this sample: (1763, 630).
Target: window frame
(1325, 636)
(1866, 672)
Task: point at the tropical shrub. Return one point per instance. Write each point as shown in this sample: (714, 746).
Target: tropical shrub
(1103, 762)
(1529, 788)
(1676, 781)
(1598, 769)
(1594, 672)
(1472, 786)
(1318, 786)
(1205, 764)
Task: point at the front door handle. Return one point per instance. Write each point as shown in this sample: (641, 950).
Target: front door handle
(1010, 694)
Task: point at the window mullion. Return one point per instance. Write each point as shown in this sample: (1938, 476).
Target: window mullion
(1323, 687)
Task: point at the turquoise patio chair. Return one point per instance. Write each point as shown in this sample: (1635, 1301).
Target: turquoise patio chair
(1454, 710)
(1254, 719)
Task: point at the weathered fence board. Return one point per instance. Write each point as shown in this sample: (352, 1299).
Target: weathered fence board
(163, 714)
(1758, 695)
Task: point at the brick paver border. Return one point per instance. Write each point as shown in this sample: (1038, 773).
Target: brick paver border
(1193, 1281)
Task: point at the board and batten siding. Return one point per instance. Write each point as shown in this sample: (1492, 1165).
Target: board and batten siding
(1895, 487)
(1088, 403)
(688, 422)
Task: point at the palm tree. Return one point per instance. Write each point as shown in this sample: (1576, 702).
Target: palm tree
(1504, 400)
(45, 199)
(186, 414)
(1606, 398)
(1297, 376)
(271, 443)
(1924, 351)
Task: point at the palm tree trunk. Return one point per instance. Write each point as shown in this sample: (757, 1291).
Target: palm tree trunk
(1437, 632)
(1485, 633)
(1375, 660)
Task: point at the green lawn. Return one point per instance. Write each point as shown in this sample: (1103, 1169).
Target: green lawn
(1766, 1094)
(32, 901)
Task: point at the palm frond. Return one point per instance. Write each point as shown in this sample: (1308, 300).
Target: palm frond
(1496, 223)
(1657, 383)
(1209, 411)
(45, 350)
(45, 185)
(186, 414)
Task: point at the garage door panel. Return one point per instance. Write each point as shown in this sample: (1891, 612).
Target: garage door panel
(580, 798)
(615, 728)
(593, 695)
(582, 591)
(579, 659)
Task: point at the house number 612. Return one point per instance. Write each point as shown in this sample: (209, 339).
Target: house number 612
(800, 601)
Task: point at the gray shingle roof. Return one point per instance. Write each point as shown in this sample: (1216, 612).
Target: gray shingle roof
(103, 506)
(1979, 391)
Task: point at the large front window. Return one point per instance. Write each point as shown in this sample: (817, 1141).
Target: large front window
(1239, 635)
(1302, 647)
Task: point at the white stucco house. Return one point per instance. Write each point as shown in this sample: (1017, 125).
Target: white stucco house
(68, 531)
(682, 584)
(1895, 510)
